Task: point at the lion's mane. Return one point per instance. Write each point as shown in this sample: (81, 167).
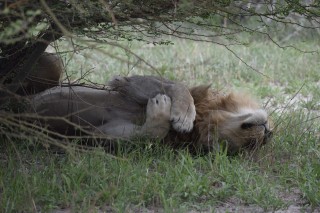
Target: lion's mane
(222, 118)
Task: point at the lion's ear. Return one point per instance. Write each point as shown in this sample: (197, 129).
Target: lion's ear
(200, 92)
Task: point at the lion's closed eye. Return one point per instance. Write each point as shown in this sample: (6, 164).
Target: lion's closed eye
(247, 125)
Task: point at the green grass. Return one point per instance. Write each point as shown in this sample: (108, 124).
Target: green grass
(285, 172)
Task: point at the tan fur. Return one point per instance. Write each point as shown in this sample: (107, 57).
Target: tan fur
(132, 106)
(219, 119)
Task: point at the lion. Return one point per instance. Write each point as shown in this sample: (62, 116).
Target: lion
(122, 107)
(157, 108)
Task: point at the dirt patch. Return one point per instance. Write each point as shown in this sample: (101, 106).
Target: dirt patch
(227, 207)
(257, 209)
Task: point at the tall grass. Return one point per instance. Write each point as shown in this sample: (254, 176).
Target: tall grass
(152, 177)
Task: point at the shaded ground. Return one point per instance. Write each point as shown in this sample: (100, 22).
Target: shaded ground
(233, 204)
(227, 208)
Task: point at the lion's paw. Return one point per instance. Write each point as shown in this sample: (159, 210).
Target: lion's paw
(159, 107)
(182, 116)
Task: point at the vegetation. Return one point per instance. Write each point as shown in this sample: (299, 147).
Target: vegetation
(269, 48)
(144, 176)
(28, 27)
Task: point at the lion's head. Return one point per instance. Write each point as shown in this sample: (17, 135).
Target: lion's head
(235, 119)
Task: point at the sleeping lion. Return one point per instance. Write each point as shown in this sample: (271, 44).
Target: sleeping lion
(156, 108)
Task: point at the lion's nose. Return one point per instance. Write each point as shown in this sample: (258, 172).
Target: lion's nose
(267, 133)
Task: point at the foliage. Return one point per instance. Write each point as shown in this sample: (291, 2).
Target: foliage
(33, 178)
(27, 27)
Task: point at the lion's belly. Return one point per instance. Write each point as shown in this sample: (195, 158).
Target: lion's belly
(66, 108)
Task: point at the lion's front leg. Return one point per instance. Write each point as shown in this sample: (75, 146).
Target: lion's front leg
(157, 122)
(183, 110)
